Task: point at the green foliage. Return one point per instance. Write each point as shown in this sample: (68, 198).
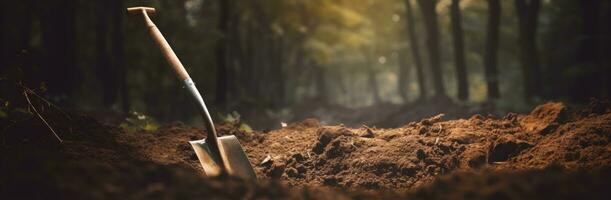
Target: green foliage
(4, 108)
(234, 119)
(139, 122)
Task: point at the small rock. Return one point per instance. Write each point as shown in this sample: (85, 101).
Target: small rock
(266, 160)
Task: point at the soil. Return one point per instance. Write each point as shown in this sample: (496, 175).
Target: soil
(540, 154)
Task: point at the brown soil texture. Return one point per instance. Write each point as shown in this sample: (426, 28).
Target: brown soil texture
(414, 155)
(541, 154)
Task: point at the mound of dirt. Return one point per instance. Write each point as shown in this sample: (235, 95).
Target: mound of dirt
(517, 156)
(98, 161)
(411, 156)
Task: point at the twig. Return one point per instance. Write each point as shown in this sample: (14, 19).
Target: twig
(26, 89)
(25, 93)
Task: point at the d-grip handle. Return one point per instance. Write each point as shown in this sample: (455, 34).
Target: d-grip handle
(166, 50)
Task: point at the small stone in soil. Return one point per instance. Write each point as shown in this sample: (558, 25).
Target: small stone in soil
(266, 160)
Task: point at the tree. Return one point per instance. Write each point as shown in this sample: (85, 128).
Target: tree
(373, 82)
(221, 51)
(492, 44)
(430, 23)
(58, 35)
(105, 69)
(403, 76)
(588, 55)
(119, 53)
(459, 51)
(413, 40)
(528, 14)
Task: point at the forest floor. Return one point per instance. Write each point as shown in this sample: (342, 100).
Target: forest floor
(553, 152)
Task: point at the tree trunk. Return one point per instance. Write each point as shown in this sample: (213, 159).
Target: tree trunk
(413, 40)
(373, 83)
(221, 52)
(459, 51)
(528, 14)
(248, 64)
(321, 83)
(105, 70)
(590, 84)
(430, 23)
(403, 81)
(119, 54)
(58, 34)
(490, 53)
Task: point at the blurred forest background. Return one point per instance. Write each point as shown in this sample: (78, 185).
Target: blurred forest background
(283, 60)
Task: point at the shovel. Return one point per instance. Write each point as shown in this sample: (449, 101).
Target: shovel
(216, 154)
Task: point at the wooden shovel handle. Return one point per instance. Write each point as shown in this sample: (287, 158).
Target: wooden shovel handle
(167, 51)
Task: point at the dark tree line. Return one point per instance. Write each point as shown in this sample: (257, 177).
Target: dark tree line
(415, 48)
(254, 53)
(459, 51)
(591, 42)
(492, 45)
(528, 16)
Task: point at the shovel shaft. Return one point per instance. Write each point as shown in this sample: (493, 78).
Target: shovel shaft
(182, 74)
(167, 51)
(212, 137)
(216, 155)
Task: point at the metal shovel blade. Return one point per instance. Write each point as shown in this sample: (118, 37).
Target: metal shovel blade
(233, 158)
